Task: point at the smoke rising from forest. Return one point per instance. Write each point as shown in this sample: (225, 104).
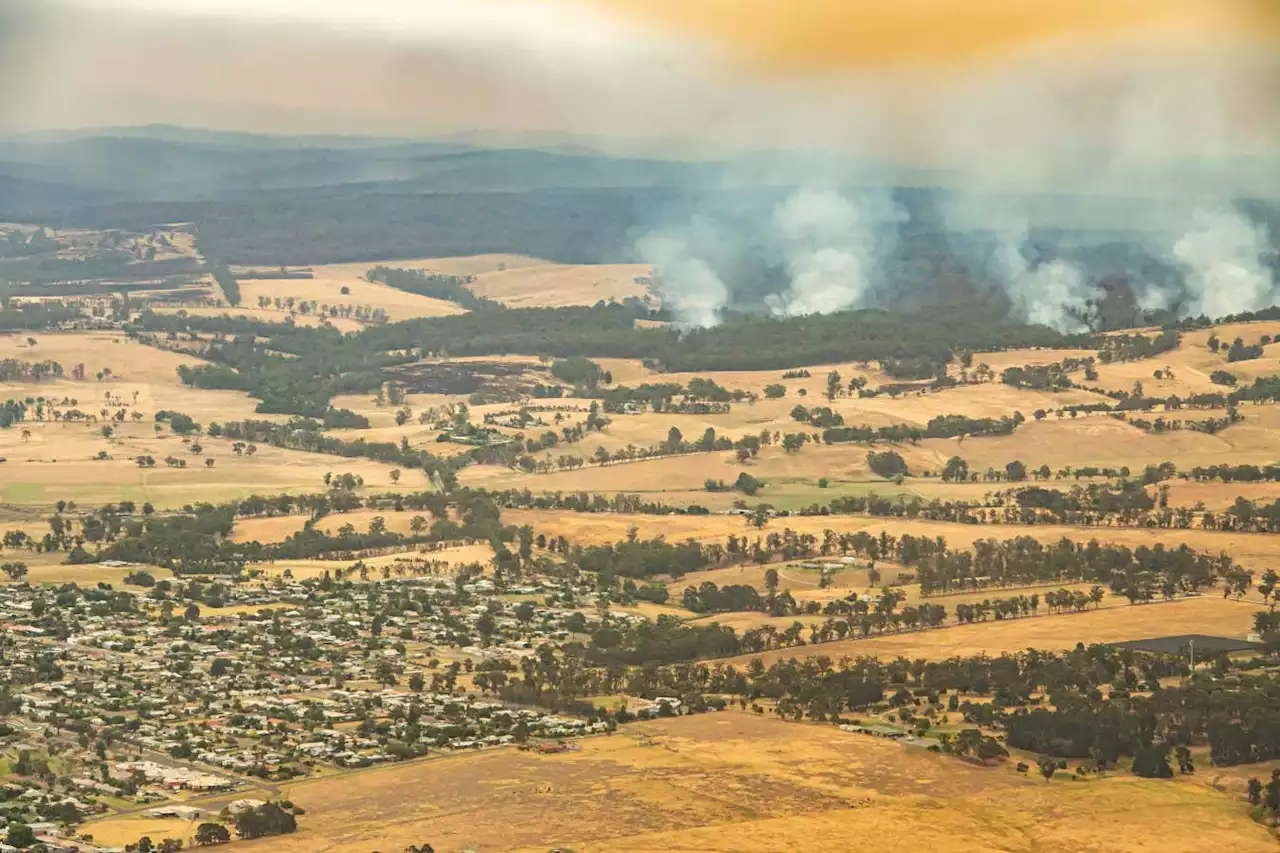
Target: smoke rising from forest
(1222, 254)
(1052, 135)
(1134, 191)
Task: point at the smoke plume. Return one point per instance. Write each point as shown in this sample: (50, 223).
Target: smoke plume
(809, 252)
(832, 249)
(1223, 258)
(689, 288)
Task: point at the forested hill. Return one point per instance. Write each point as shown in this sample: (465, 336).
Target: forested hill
(270, 201)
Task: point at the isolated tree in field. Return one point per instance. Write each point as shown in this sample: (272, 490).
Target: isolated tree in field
(775, 391)
(1048, 766)
(888, 464)
(192, 613)
(1269, 586)
(747, 484)
(956, 470)
(208, 462)
(395, 475)
(834, 384)
(1015, 472)
(759, 516)
(14, 571)
(792, 442)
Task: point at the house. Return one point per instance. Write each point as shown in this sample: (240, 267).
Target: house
(181, 812)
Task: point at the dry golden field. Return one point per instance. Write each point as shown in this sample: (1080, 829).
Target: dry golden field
(1193, 361)
(263, 315)
(326, 288)
(279, 528)
(151, 373)
(735, 782)
(1256, 551)
(545, 285)
(455, 557)
(1208, 614)
(58, 462)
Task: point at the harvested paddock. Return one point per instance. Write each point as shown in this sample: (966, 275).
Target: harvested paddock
(1204, 614)
(455, 557)
(328, 281)
(57, 462)
(547, 285)
(735, 782)
(280, 527)
(263, 315)
(135, 368)
(1256, 551)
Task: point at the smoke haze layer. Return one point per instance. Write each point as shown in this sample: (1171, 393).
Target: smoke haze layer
(1159, 120)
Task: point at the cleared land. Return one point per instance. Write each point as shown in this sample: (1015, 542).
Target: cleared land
(1253, 550)
(134, 367)
(328, 282)
(58, 462)
(545, 285)
(1203, 615)
(734, 782)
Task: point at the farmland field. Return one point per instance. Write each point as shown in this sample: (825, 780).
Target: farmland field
(1118, 623)
(717, 781)
(698, 784)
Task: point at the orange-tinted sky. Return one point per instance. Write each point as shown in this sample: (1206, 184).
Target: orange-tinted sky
(826, 34)
(990, 83)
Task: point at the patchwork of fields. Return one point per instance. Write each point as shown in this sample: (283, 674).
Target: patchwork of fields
(718, 781)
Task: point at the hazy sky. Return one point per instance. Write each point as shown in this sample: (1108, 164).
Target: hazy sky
(997, 81)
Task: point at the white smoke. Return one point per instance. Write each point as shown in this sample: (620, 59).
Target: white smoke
(832, 248)
(1222, 256)
(1151, 298)
(1054, 293)
(688, 286)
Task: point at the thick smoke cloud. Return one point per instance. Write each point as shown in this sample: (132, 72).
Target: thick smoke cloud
(690, 289)
(1223, 256)
(807, 252)
(832, 249)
